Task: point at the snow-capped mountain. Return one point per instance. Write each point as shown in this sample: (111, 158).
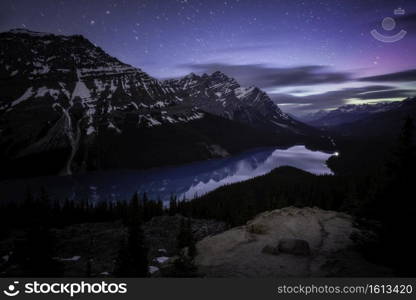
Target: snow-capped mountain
(73, 73)
(384, 121)
(348, 113)
(67, 106)
(221, 95)
(58, 91)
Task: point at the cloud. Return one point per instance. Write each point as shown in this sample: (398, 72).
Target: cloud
(408, 75)
(266, 77)
(395, 93)
(301, 105)
(297, 80)
(246, 48)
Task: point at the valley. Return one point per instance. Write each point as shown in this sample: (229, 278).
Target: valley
(82, 110)
(184, 181)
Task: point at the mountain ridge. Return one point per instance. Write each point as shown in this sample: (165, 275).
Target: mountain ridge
(349, 113)
(66, 96)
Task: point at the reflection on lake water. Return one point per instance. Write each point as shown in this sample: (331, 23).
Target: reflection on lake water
(184, 181)
(254, 165)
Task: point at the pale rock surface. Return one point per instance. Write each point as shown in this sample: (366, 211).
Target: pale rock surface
(239, 252)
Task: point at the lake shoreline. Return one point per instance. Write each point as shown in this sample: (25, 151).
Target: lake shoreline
(178, 180)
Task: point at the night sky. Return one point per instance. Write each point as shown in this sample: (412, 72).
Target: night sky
(307, 55)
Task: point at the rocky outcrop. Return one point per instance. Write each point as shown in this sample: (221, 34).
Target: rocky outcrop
(287, 242)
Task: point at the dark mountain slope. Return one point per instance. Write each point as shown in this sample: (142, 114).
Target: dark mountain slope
(348, 114)
(386, 123)
(364, 145)
(68, 107)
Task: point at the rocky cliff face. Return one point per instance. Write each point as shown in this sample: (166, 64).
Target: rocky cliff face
(288, 242)
(59, 91)
(223, 96)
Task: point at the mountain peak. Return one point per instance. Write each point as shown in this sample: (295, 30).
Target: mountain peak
(191, 75)
(32, 33)
(221, 75)
(218, 73)
(28, 32)
(350, 113)
(34, 49)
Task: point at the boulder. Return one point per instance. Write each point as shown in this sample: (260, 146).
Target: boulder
(268, 249)
(294, 246)
(277, 243)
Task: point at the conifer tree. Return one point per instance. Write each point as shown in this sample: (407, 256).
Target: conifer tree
(398, 206)
(184, 266)
(132, 259)
(191, 241)
(173, 206)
